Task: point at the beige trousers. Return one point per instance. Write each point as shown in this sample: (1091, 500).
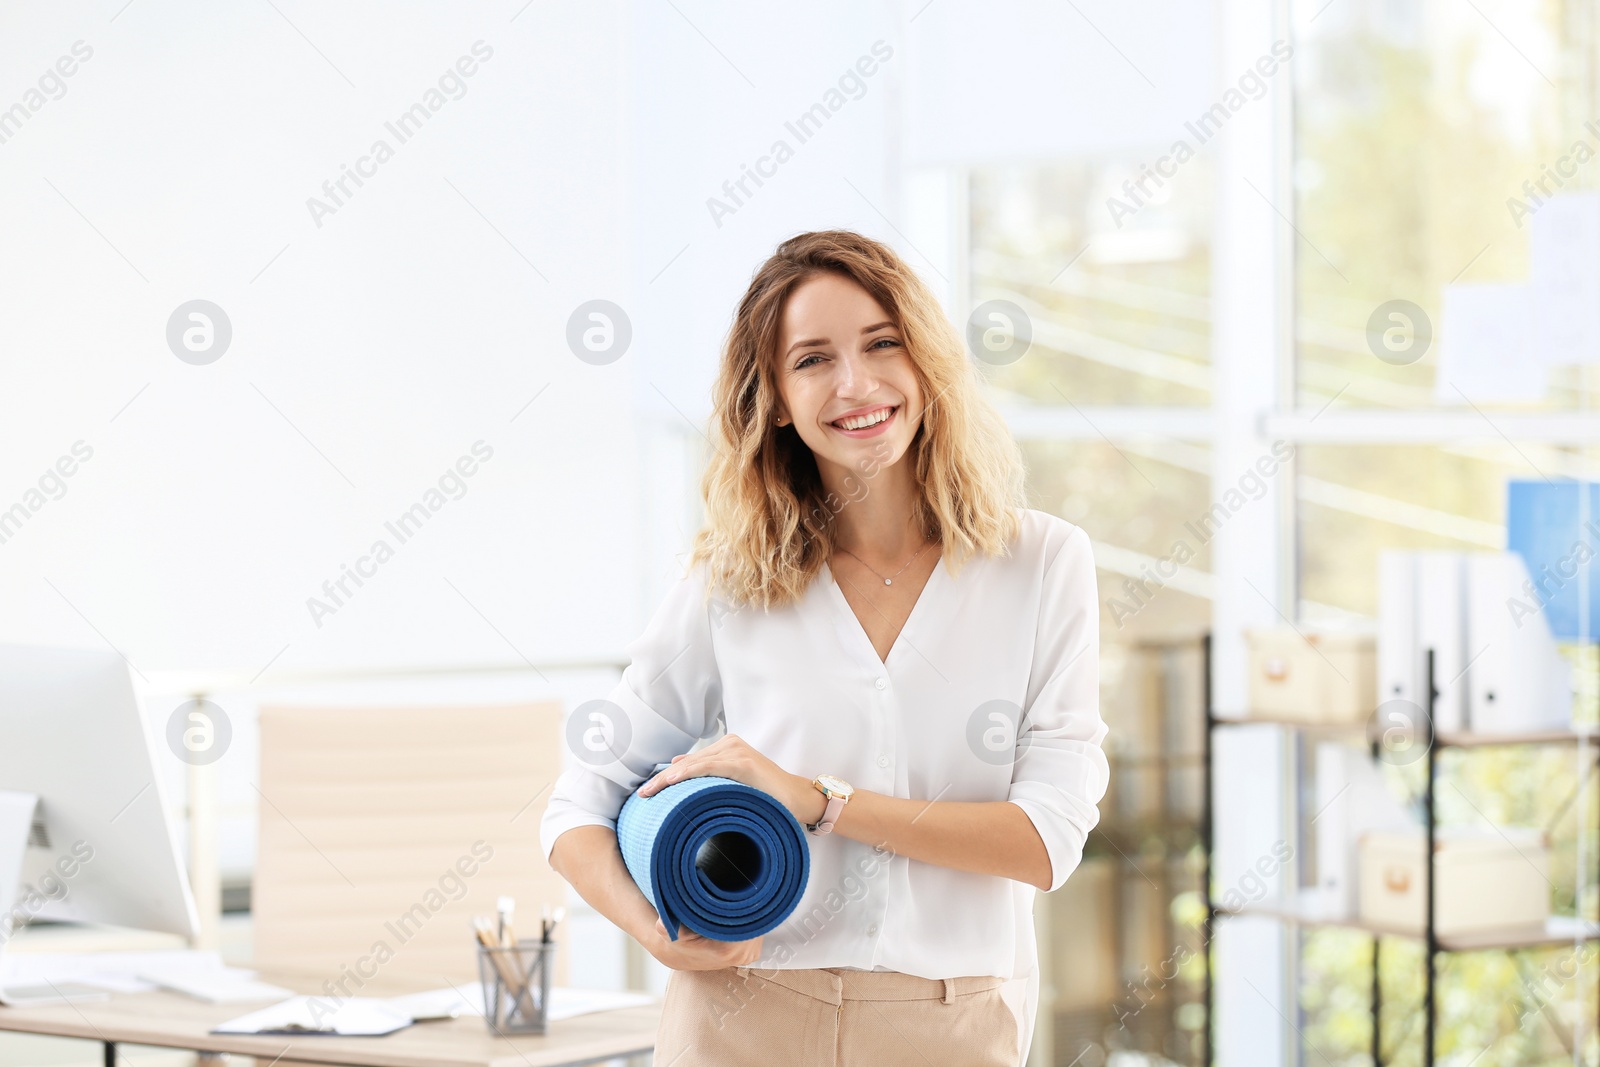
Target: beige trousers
(832, 1017)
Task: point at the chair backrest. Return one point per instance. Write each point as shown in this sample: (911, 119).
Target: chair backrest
(383, 830)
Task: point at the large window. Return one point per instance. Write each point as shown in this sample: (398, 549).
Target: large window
(1119, 318)
(1427, 136)
(1414, 128)
(1119, 305)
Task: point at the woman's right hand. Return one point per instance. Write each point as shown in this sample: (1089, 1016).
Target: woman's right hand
(691, 952)
(587, 857)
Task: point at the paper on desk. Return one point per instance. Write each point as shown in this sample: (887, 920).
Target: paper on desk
(1485, 345)
(440, 1003)
(351, 1017)
(209, 980)
(199, 974)
(29, 996)
(113, 971)
(565, 1001)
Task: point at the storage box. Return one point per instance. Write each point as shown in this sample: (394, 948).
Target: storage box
(1491, 879)
(1321, 678)
(1353, 799)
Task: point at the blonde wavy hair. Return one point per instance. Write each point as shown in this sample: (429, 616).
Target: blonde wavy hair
(769, 520)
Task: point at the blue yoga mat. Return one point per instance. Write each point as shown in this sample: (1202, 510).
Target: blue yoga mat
(716, 856)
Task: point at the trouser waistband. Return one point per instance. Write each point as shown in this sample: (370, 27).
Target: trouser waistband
(834, 985)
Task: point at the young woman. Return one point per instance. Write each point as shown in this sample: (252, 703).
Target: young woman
(897, 649)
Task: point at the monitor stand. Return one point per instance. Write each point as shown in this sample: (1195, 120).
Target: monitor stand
(17, 811)
(16, 829)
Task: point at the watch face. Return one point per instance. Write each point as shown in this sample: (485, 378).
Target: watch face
(835, 785)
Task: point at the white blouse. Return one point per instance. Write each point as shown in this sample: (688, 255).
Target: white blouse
(1008, 639)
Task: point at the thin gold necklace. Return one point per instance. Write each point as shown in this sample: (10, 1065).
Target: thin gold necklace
(898, 573)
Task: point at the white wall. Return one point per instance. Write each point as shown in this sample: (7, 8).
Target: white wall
(369, 356)
(371, 351)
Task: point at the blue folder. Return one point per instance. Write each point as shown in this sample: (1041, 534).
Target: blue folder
(715, 856)
(1557, 534)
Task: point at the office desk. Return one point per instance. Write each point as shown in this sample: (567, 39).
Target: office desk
(170, 1020)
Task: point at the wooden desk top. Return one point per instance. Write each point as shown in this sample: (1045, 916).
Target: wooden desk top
(171, 1020)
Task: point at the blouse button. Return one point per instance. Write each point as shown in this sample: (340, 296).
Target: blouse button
(882, 683)
(873, 929)
(883, 761)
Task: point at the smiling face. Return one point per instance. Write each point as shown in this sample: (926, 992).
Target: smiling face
(845, 379)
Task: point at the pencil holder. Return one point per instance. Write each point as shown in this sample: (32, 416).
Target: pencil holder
(516, 986)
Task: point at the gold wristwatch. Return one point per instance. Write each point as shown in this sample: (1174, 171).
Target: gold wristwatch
(838, 791)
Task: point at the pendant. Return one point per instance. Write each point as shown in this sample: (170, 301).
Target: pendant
(888, 581)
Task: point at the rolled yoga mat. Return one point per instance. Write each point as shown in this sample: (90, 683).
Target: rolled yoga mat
(716, 856)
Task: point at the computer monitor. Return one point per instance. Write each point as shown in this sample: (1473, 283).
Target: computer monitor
(100, 848)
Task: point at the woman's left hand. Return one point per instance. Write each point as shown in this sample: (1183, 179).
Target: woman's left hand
(734, 758)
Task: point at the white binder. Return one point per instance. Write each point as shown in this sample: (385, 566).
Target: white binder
(1397, 627)
(1518, 680)
(1497, 670)
(1441, 626)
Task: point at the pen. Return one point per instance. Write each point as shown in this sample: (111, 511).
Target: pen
(505, 906)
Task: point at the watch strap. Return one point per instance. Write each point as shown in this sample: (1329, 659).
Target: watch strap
(830, 815)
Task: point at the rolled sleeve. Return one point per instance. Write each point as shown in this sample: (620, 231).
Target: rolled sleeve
(669, 696)
(1061, 772)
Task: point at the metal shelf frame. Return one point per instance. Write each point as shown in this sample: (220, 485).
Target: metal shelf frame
(1432, 944)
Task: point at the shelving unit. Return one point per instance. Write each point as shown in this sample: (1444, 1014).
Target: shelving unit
(1559, 930)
